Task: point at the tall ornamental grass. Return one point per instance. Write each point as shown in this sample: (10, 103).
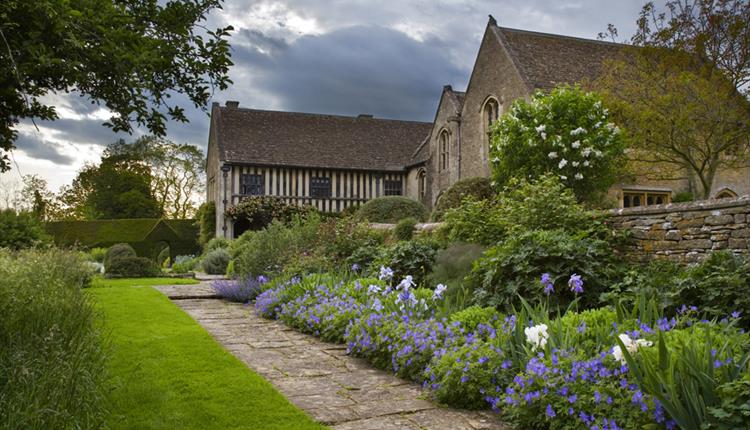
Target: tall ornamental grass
(51, 353)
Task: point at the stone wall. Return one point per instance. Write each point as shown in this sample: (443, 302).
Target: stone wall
(686, 231)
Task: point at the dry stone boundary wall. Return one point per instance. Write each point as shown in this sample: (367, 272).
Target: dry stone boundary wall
(685, 231)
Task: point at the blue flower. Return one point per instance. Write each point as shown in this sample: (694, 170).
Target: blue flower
(386, 273)
(576, 283)
(736, 314)
(550, 412)
(355, 267)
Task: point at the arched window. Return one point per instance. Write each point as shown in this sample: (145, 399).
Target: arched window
(490, 114)
(443, 143)
(726, 193)
(421, 183)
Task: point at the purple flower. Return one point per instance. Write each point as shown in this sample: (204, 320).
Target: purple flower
(550, 412)
(355, 267)
(576, 283)
(549, 287)
(736, 314)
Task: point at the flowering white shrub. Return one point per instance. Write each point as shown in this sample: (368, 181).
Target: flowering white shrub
(537, 335)
(567, 133)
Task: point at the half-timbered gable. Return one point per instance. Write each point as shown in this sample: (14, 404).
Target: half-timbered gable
(329, 162)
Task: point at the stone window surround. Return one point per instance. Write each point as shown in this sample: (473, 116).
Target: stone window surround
(444, 149)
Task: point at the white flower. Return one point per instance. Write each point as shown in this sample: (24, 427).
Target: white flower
(544, 135)
(540, 129)
(579, 176)
(586, 152)
(537, 335)
(586, 163)
(616, 130)
(552, 155)
(496, 160)
(562, 163)
(575, 164)
(576, 132)
(406, 283)
(631, 345)
(576, 144)
(563, 177)
(598, 153)
(610, 126)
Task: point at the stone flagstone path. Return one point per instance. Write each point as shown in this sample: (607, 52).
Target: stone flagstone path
(344, 392)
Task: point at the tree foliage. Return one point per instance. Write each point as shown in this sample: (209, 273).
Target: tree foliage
(683, 119)
(567, 133)
(176, 171)
(680, 92)
(132, 56)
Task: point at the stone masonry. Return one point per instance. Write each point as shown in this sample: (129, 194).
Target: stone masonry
(686, 231)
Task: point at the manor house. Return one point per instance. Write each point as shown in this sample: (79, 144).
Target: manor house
(334, 162)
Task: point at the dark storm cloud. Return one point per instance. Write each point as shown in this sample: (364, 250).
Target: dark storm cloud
(35, 147)
(85, 131)
(362, 69)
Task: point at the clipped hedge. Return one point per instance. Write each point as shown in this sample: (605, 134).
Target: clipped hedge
(146, 236)
(116, 252)
(133, 267)
(478, 188)
(391, 209)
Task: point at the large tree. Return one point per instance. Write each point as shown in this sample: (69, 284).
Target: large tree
(119, 187)
(130, 55)
(679, 90)
(177, 171)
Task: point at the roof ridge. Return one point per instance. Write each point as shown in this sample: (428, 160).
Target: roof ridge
(224, 108)
(562, 36)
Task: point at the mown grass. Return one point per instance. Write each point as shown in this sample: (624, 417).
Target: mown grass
(167, 372)
(99, 282)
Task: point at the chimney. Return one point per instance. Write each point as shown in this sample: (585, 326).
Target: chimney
(364, 115)
(231, 104)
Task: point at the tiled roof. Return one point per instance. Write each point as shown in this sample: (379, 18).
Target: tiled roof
(545, 60)
(313, 140)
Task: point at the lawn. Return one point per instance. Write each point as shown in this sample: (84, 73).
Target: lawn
(99, 282)
(167, 372)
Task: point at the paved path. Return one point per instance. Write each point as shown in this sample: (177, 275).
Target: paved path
(335, 389)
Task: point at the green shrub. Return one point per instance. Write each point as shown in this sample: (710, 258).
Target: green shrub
(52, 353)
(20, 230)
(543, 204)
(215, 262)
(391, 209)
(404, 230)
(133, 267)
(268, 251)
(733, 411)
(472, 316)
(413, 258)
(119, 250)
(216, 243)
(207, 222)
(338, 239)
(97, 254)
(567, 133)
(683, 196)
(515, 267)
(718, 285)
(453, 263)
(475, 221)
(476, 188)
(184, 264)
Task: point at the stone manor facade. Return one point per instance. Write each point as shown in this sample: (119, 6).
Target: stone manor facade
(334, 162)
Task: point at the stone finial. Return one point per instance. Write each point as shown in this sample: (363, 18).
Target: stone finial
(493, 21)
(447, 88)
(233, 104)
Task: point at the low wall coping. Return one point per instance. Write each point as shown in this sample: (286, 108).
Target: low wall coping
(701, 205)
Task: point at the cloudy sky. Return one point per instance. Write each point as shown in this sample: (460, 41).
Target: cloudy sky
(387, 58)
